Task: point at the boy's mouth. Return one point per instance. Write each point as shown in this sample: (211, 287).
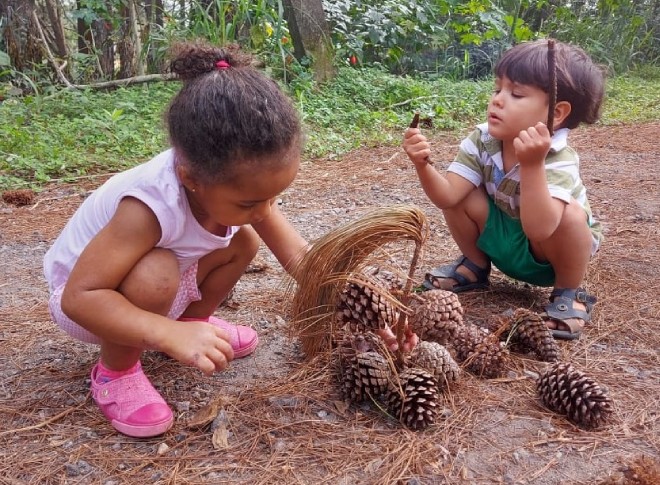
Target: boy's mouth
(493, 117)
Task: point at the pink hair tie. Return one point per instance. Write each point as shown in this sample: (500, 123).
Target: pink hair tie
(222, 64)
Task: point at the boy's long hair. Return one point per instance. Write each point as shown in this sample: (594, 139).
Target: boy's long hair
(579, 80)
(227, 113)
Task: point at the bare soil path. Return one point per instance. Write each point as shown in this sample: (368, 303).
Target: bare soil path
(282, 420)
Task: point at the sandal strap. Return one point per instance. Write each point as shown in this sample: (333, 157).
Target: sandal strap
(561, 304)
(128, 393)
(469, 264)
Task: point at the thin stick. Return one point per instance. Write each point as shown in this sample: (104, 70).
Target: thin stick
(552, 73)
(44, 423)
(407, 291)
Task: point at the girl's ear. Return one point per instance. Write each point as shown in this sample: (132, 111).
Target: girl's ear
(186, 179)
(562, 110)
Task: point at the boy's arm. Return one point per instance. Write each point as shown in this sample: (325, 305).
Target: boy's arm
(286, 244)
(540, 213)
(444, 191)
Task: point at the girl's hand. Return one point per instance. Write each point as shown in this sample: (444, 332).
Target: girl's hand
(199, 344)
(532, 145)
(416, 146)
(410, 340)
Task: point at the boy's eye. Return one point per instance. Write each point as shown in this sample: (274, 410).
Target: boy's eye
(516, 95)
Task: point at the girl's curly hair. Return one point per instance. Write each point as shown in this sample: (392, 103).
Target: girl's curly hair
(227, 113)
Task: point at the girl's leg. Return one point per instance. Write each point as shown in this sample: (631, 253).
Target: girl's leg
(219, 271)
(151, 285)
(119, 386)
(466, 222)
(568, 250)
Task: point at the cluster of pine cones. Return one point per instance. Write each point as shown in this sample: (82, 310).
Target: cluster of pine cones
(412, 390)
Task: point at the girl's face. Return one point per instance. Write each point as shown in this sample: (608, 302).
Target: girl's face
(248, 199)
(515, 107)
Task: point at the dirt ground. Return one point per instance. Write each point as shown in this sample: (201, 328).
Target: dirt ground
(280, 419)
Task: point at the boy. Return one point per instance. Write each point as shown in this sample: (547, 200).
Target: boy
(513, 196)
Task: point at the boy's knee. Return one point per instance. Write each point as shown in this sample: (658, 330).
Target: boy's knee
(574, 217)
(153, 282)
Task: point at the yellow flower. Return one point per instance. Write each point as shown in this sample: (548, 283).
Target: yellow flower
(269, 29)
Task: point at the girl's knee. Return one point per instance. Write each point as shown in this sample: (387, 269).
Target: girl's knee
(153, 282)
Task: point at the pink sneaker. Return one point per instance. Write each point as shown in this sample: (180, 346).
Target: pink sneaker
(242, 338)
(132, 405)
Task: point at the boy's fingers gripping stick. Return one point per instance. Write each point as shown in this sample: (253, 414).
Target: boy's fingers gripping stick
(414, 124)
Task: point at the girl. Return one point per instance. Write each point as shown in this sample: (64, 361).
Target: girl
(149, 256)
(513, 196)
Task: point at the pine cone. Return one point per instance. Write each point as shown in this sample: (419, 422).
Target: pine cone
(568, 391)
(479, 352)
(529, 333)
(414, 399)
(436, 316)
(389, 280)
(363, 371)
(436, 359)
(365, 307)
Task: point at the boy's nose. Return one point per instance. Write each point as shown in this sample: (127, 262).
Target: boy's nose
(497, 99)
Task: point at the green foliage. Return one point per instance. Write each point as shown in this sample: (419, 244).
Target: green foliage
(369, 106)
(447, 38)
(78, 133)
(258, 26)
(75, 133)
(632, 99)
(622, 34)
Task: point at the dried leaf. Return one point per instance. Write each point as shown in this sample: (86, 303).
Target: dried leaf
(220, 437)
(341, 406)
(203, 416)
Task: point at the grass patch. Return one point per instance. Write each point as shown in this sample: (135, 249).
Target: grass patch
(73, 133)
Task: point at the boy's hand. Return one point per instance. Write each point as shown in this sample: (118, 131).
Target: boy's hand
(199, 344)
(532, 145)
(416, 146)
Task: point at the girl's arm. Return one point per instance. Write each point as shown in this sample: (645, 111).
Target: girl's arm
(91, 297)
(282, 239)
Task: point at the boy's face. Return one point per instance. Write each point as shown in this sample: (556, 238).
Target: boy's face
(515, 107)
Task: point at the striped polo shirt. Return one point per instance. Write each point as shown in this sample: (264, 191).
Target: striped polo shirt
(479, 160)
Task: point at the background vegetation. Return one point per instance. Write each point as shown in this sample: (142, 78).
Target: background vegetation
(392, 57)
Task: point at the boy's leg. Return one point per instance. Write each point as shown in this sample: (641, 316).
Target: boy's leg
(466, 222)
(568, 250)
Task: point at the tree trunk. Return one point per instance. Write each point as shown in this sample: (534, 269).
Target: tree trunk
(154, 14)
(128, 45)
(54, 9)
(20, 34)
(84, 33)
(104, 44)
(311, 35)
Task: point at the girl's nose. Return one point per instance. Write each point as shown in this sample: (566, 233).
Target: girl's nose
(262, 211)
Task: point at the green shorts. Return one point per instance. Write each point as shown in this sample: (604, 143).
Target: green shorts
(507, 246)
